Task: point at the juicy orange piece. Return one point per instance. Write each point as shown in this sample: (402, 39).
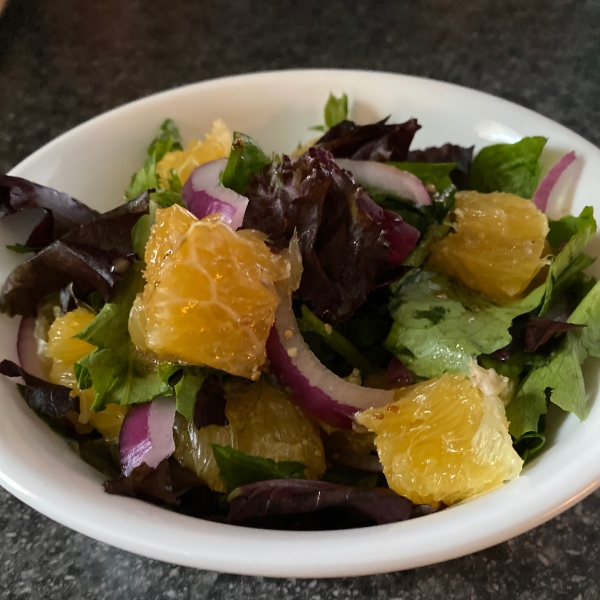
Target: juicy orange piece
(262, 422)
(210, 296)
(497, 246)
(443, 440)
(65, 351)
(216, 144)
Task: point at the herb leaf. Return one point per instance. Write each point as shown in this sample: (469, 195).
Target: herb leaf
(336, 110)
(439, 324)
(118, 374)
(245, 158)
(513, 168)
(167, 140)
(238, 468)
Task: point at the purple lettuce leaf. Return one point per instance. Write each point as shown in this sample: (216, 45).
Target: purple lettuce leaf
(379, 141)
(93, 256)
(448, 153)
(210, 404)
(344, 250)
(539, 331)
(63, 213)
(49, 399)
(279, 503)
(168, 484)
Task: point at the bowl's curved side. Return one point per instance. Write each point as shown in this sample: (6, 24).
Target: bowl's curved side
(94, 163)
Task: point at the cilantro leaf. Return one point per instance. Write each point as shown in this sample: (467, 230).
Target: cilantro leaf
(245, 158)
(439, 325)
(513, 168)
(115, 369)
(238, 468)
(336, 110)
(561, 379)
(167, 140)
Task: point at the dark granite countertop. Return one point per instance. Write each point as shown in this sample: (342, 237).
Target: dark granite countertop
(64, 62)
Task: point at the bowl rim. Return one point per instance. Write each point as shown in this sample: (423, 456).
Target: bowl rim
(322, 554)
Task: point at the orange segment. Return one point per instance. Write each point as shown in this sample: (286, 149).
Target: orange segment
(262, 422)
(497, 246)
(216, 144)
(443, 440)
(210, 295)
(65, 351)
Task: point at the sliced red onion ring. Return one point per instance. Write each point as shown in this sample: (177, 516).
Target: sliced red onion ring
(315, 388)
(387, 178)
(147, 434)
(549, 190)
(204, 195)
(27, 348)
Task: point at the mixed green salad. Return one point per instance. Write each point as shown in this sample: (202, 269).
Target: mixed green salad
(356, 333)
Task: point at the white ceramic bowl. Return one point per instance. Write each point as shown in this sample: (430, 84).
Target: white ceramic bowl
(94, 162)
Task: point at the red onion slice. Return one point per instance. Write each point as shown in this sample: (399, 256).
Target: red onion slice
(387, 178)
(27, 349)
(548, 190)
(147, 434)
(204, 195)
(315, 388)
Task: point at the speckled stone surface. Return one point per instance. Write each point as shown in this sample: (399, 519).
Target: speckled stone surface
(64, 62)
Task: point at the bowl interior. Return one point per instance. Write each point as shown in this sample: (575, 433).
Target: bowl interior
(94, 163)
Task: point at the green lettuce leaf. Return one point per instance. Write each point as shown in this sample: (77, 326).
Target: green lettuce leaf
(513, 168)
(439, 324)
(115, 368)
(167, 140)
(561, 379)
(436, 174)
(336, 110)
(245, 158)
(570, 259)
(189, 381)
(238, 468)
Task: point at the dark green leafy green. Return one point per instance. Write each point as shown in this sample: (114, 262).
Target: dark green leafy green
(22, 249)
(513, 168)
(188, 382)
(529, 444)
(336, 341)
(245, 158)
(167, 140)
(238, 468)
